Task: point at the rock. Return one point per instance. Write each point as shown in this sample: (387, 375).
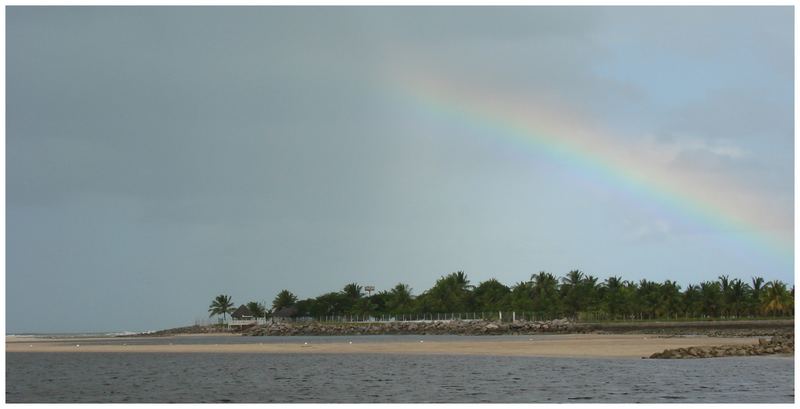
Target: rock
(782, 338)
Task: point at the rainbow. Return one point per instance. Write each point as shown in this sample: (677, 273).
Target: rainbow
(706, 201)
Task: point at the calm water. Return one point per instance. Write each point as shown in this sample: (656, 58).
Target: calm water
(175, 377)
(311, 339)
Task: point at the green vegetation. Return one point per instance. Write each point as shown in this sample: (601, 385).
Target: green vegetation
(257, 309)
(576, 295)
(222, 305)
(284, 299)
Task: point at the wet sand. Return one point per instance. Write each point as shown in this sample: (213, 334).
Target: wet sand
(579, 345)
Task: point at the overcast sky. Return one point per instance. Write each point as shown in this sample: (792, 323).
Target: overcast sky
(158, 157)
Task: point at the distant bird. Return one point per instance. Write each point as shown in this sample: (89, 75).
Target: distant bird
(351, 342)
(77, 345)
(421, 341)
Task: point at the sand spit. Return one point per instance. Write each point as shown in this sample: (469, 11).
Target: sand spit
(576, 345)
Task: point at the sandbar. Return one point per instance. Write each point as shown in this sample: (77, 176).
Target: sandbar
(577, 346)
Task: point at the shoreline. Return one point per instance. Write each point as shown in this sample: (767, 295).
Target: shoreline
(564, 346)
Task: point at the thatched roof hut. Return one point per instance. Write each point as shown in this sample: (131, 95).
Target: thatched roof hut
(242, 313)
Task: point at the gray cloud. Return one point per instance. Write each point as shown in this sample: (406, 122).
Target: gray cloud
(159, 156)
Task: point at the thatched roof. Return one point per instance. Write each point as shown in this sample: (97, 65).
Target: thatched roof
(242, 312)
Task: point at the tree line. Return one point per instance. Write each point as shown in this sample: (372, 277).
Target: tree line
(574, 295)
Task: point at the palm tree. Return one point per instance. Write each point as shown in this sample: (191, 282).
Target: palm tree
(465, 291)
(670, 298)
(725, 287)
(545, 293)
(353, 301)
(363, 306)
(544, 280)
(399, 299)
(571, 292)
(776, 297)
(222, 305)
(353, 291)
(612, 296)
(520, 297)
(284, 299)
(451, 293)
(491, 295)
(629, 292)
(573, 278)
(648, 297)
(461, 281)
(737, 296)
(257, 309)
(755, 295)
(588, 292)
(711, 294)
(692, 300)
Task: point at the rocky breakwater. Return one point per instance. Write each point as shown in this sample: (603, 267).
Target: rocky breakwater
(779, 344)
(712, 328)
(455, 327)
(190, 330)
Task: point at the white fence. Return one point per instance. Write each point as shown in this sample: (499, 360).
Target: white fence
(429, 317)
(230, 322)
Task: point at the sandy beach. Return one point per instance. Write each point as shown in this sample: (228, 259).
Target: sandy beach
(578, 345)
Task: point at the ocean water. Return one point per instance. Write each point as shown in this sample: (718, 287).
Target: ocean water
(353, 378)
(312, 339)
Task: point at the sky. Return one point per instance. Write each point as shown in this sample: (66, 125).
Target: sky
(157, 157)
